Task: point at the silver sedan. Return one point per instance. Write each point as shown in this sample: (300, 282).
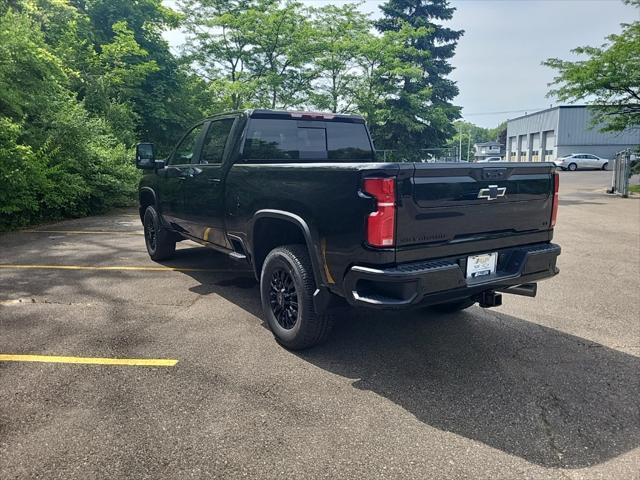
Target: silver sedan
(582, 161)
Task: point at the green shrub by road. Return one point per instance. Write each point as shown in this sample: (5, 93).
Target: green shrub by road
(56, 158)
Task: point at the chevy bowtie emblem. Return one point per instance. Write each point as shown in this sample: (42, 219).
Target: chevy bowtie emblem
(492, 192)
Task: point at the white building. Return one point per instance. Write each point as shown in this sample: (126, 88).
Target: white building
(487, 149)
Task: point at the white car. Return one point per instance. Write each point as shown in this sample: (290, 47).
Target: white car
(582, 161)
(490, 159)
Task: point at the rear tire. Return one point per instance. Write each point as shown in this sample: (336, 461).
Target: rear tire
(286, 287)
(160, 242)
(605, 166)
(451, 307)
(573, 167)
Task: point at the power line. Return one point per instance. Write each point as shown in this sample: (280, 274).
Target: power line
(504, 111)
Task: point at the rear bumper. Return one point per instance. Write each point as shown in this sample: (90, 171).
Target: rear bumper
(437, 281)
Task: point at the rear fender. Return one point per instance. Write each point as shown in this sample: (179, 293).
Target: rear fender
(310, 236)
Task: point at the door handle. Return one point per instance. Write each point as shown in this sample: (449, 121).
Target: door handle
(214, 181)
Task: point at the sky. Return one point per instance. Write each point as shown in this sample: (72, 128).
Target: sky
(498, 60)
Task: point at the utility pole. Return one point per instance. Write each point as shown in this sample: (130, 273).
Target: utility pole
(469, 145)
(460, 148)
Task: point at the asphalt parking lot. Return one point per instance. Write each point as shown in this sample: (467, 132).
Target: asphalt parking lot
(538, 388)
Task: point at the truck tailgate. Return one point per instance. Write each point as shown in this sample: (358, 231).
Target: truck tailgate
(444, 204)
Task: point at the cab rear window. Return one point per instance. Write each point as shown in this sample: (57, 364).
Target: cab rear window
(289, 140)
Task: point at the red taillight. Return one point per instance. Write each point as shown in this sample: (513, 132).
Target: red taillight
(554, 209)
(381, 224)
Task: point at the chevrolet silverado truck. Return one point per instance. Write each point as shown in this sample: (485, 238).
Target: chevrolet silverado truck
(302, 200)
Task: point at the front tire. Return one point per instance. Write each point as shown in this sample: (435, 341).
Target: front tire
(160, 242)
(286, 287)
(573, 167)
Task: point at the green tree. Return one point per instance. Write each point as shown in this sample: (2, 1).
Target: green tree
(283, 47)
(340, 32)
(608, 78)
(467, 134)
(499, 134)
(219, 47)
(422, 113)
(162, 100)
(470, 134)
(251, 53)
(56, 158)
(22, 177)
(115, 78)
(382, 74)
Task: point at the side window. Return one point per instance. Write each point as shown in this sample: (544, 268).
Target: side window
(215, 140)
(186, 148)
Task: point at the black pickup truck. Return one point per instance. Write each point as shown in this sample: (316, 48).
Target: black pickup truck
(301, 198)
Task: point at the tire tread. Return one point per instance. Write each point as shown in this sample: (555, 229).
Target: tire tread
(165, 242)
(315, 328)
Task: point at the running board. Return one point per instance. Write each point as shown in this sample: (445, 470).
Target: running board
(239, 251)
(237, 256)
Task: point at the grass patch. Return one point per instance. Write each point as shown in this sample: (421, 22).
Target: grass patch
(634, 188)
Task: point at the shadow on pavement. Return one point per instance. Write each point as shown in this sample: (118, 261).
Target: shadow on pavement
(548, 397)
(531, 391)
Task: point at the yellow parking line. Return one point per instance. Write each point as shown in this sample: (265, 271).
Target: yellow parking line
(140, 362)
(114, 268)
(85, 232)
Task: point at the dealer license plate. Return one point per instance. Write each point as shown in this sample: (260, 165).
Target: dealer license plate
(481, 265)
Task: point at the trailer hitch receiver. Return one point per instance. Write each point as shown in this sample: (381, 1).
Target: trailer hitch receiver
(490, 299)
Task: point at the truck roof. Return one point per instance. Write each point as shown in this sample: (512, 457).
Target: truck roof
(301, 114)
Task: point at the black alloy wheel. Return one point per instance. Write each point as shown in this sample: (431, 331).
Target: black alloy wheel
(150, 233)
(160, 242)
(287, 288)
(283, 298)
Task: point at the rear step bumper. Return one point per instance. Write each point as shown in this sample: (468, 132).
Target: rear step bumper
(437, 281)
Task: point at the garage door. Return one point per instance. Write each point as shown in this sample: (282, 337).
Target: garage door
(535, 147)
(550, 146)
(513, 148)
(524, 148)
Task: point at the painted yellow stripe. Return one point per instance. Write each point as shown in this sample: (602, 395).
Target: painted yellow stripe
(85, 232)
(140, 362)
(112, 268)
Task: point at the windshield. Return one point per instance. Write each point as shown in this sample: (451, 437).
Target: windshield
(270, 140)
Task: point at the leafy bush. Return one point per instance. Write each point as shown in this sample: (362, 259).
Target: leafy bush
(21, 176)
(57, 159)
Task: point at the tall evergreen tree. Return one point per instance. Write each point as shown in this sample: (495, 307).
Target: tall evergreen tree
(421, 114)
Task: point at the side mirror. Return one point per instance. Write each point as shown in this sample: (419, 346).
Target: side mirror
(145, 156)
